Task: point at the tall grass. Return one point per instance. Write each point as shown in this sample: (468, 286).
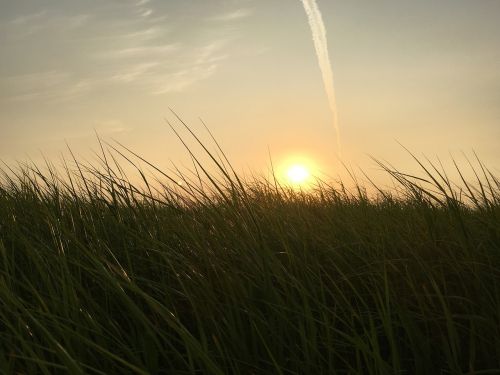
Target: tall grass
(220, 275)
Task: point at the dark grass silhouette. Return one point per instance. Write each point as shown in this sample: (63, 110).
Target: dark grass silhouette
(222, 275)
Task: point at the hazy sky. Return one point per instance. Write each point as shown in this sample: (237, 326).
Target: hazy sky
(425, 73)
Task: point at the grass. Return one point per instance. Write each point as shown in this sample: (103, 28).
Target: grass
(221, 275)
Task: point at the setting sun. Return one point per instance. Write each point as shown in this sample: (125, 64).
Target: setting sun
(298, 174)
(250, 186)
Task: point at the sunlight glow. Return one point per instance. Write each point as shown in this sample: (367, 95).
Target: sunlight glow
(298, 174)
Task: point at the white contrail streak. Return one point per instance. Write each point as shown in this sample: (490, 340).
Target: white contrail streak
(321, 45)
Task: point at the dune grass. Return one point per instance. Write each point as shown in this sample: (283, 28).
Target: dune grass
(220, 275)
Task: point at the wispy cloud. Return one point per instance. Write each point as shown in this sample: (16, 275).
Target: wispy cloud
(29, 24)
(77, 21)
(201, 66)
(54, 86)
(132, 73)
(28, 18)
(181, 80)
(76, 88)
(39, 79)
(135, 36)
(25, 87)
(146, 12)
(145, 51)
(232, 16)
(162, 72)
(124, 43)
(142, 10)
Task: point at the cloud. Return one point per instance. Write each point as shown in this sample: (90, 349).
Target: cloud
(25, 87)
(159, 72)
(181, 80)
(133, 36)
(77, 21)
(232, 16)
(149, 33)
(77, 88)
(134, 72)
(53, 86)
(199, 67)
(146, 51)
(41, 79)
(113, 46)
(29, 24)
(28, 18)
(146, 12)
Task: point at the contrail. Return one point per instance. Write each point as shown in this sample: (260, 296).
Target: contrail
(321, 45)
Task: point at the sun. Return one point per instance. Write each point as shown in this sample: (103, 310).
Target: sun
(298, 174)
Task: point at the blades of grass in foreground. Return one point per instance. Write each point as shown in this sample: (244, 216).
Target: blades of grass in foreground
(224, 274)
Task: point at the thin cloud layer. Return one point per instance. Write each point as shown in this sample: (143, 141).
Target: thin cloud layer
(233, 15)
(93, 47)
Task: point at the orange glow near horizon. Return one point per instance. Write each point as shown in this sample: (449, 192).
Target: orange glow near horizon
(298, 171)
(256, 78)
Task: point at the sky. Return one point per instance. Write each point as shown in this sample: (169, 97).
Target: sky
(424, 73)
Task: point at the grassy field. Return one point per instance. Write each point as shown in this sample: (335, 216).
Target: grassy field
(223, 276)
